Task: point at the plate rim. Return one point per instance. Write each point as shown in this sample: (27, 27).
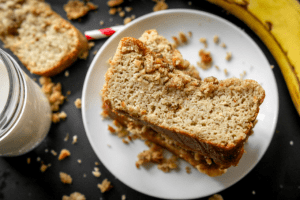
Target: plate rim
(175, 11)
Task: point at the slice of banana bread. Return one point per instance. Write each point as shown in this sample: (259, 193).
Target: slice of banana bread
(43, 41)
(209, 117)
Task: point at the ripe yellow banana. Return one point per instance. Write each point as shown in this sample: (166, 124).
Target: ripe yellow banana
(277, 23)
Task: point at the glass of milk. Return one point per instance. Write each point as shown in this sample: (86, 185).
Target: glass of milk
(25, 114)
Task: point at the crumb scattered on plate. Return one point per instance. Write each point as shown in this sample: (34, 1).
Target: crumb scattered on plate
(203, 41)
(228, 56)
(216, 39)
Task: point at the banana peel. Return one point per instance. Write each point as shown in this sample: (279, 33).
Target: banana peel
(277, 23)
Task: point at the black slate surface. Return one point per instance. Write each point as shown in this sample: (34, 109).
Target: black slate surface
(276, 176)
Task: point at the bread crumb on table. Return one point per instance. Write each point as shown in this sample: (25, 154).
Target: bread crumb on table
(91, 44)
(75, 138)
(127, 20)
(96, 172)
(67, 73)
(78, 103)
(28, 160)
(52, 92)
(63, 154)
(67, 137)
(128, 9)
(223, 45)
(65, 178)
(113, 3)
(123, 197)
(74, 196)
(122, 14)
(43, 168)
(104, 186)
(56, 117)
(112, 11)
(272, 66)
(53, 152)
(76, 9)
(216, 197)
(160, 5)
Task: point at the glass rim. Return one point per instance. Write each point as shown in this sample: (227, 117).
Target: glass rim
(15, 100)
(4, 58)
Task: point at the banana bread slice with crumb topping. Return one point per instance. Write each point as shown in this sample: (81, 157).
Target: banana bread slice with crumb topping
(43, 41)
(211, 117)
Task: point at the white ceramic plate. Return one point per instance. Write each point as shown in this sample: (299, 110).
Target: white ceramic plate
(120, 158)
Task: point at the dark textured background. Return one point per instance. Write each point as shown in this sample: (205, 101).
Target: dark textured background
(276, 176)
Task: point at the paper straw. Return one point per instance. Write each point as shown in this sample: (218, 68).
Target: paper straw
(102, 33)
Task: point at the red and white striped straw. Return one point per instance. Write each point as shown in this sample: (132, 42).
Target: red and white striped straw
(102, 33)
